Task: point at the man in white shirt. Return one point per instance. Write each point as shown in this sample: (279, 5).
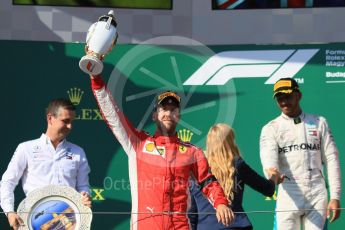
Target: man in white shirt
(50, 159)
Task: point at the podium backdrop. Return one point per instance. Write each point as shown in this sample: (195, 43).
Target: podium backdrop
(228, 84)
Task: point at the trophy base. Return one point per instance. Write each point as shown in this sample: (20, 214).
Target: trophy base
(91, 65)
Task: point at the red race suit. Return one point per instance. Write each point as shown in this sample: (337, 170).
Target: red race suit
(159, 170)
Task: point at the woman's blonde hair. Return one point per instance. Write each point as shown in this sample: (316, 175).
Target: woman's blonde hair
(221, 150)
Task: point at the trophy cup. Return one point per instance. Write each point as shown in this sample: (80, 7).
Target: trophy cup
(101, 38)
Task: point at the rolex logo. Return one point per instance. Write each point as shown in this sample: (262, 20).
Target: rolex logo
(75, 95)
(185, 135)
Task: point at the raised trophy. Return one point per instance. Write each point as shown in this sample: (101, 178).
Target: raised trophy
(101, 38)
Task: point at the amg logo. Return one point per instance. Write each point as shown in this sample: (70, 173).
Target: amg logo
(274, 64)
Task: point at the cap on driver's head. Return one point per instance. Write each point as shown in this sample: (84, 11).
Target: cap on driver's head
(168, 97)
(285, 85)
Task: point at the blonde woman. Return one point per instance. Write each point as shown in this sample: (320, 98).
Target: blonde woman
(232, 173)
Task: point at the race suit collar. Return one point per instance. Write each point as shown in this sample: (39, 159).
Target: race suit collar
(160, 139)
(301, 116)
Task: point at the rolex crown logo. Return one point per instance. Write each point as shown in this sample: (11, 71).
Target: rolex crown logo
(185, 135)
(75, 95)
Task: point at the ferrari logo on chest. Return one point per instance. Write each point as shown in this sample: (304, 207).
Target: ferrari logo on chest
(182, 149)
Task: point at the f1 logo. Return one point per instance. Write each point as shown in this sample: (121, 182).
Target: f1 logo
(274, 64)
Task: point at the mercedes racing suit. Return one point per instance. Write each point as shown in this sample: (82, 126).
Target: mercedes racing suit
(159, 170)
(298, 148)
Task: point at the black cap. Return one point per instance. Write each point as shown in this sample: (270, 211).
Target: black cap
(168, 97)
(285, 85)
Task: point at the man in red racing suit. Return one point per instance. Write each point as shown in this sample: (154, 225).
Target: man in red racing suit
(160, 165)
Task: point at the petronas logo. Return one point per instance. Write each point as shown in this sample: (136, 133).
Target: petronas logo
(185, 135)
(75, 95)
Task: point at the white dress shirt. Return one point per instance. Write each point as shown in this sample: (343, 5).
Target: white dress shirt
(38, 164)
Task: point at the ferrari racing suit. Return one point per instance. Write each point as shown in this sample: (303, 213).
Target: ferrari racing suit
(298, 147)
(159, 170)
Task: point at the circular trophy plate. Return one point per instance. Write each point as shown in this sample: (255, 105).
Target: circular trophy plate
(54, 207)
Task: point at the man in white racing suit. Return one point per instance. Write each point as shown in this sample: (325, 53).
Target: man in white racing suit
(298, 145)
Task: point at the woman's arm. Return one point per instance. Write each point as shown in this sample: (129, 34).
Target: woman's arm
(254, 180)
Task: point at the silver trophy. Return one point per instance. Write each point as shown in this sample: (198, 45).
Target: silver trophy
(101, 38)
(54, 207)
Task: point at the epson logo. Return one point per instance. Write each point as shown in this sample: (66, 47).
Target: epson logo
(274, 64)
